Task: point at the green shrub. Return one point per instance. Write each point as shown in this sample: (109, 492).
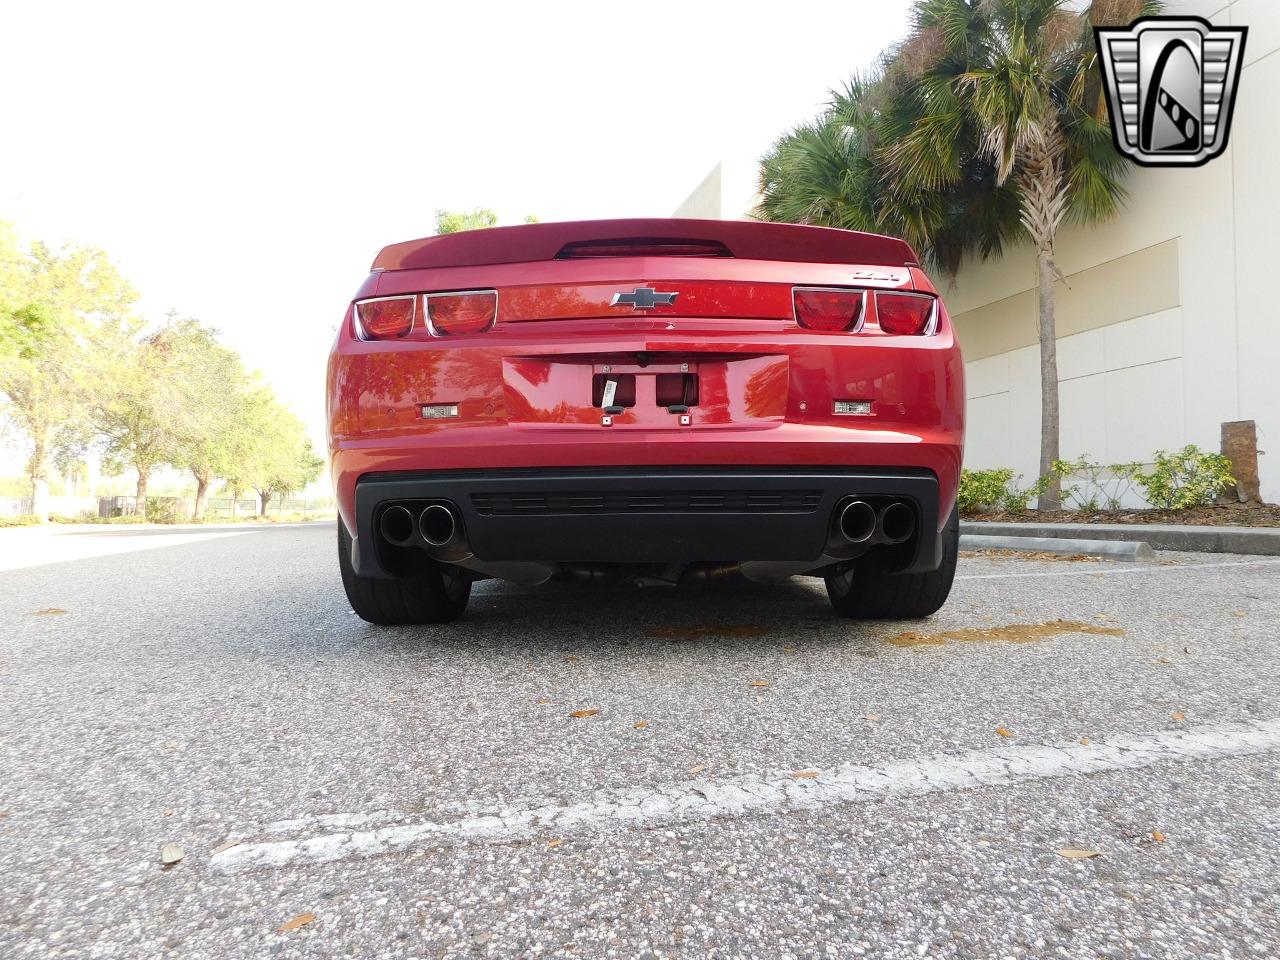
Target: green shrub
(163, 510)
(1105, 485)
(21, 520)
(982, 491)
(91, 518)
(1184, 479)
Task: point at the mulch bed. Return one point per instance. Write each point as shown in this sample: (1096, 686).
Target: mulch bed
(1224, 515)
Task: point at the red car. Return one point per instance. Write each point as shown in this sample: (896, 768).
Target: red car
(654, 400)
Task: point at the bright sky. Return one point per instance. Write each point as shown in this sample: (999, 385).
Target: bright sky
(243, 162)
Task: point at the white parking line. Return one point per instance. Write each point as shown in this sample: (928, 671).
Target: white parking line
(1111, 571)
(700, 800)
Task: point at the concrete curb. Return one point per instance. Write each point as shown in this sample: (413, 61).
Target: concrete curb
(1131, 550)
(1253, 541)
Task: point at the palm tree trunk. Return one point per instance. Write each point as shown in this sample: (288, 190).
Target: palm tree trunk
(1044, 203)
(1051, 497)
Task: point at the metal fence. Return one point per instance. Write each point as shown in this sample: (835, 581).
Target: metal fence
(15, 506)
(183, 508)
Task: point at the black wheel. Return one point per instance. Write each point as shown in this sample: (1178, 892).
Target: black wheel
(431, 594)
(903, 596)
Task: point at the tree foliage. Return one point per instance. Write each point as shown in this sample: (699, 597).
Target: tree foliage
(78, 371)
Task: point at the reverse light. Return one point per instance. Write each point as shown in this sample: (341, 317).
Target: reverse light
(830, 309)
(469, 311)
(912, 314)
(385, 318)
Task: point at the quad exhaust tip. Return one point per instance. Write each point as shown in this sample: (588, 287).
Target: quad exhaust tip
(897, 523)
(396, 526)
(857, 521)
(437, 525)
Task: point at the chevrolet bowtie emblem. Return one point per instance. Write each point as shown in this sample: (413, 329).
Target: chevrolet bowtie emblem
(643, 298)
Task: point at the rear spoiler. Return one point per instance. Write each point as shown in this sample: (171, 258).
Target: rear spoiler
(743, 239)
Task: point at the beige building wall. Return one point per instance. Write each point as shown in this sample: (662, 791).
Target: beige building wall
(1167, 322)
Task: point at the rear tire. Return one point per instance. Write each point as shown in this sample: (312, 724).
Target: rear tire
(904, 596)
(430, 594)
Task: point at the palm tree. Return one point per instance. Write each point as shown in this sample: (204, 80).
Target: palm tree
(988, 123)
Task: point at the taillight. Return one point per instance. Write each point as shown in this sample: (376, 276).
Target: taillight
(451, 314)
(912, 314)
(831, 309)
(385, 318)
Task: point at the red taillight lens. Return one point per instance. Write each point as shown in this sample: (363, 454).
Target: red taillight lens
(905, 313)
(385, 318)
(832, 310)
(450, 314)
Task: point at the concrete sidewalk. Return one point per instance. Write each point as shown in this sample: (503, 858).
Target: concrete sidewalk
(1256, 541)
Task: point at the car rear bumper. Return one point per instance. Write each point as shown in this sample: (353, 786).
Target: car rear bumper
(645, 515)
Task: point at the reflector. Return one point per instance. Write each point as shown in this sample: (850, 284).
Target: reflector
(831, 309)
(905, 313)
(385, 318)
(471, 311)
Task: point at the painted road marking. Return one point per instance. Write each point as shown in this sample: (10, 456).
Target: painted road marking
(701, 800)
(1111, 571)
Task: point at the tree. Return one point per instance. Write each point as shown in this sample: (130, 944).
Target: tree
(271, 451)
(987, 123)
(216, 395)
(448, 221)
(56, 309)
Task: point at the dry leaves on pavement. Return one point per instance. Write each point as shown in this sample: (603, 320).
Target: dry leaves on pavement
(805, 775)
(579, 714)
(1004, 731)
(641, 725)
(1157, 836)
(759, 683)
(1179, 715)
(301, 920)
(171, 853)
(1073, 854)
(48, 612)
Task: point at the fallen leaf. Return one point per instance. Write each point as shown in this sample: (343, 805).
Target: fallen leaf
(1085, 740)
(873, 717)
(1079, 854)
(555, 842)
(571, 659)
(168, 813)
(3, 814)
(641, 724)
(805, 775)
(225, 845)
(171, 853)
(579, 714)
(759, 683)
(1157, 836)
(698, 769)
(1004, 731)
(1163, 660)
(788, 649)
(1179, 715)
(1237, 613)
(544, 700)
(1014, 633)
(48, 612)
(301, 920)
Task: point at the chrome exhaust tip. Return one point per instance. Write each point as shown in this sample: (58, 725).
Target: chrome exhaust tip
(396, 526)
(897, 523)
(857, 521)
(437, 525)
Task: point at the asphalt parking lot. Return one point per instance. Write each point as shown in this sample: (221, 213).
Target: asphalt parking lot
(750, 777)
